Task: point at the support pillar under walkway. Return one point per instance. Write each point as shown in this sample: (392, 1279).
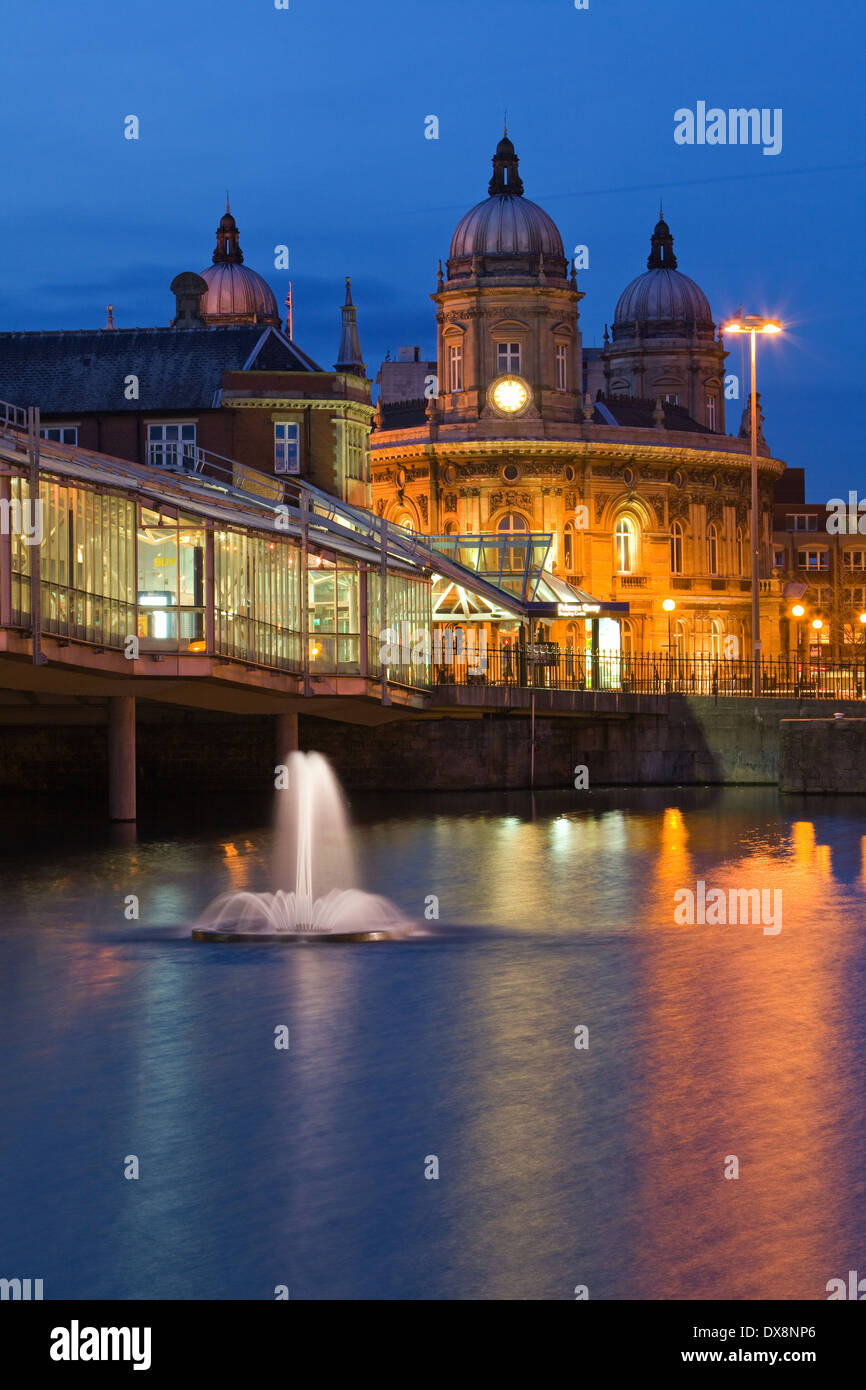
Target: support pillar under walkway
(285, 736)
(121, 758)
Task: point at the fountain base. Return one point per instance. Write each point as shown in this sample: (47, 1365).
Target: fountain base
(320, 937)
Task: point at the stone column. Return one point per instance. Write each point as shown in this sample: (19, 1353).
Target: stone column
(121, 757)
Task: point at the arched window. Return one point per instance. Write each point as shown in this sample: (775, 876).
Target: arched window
(740, 551)
(712, 549)
(404, 520)
(681, 638)
(717, 638)
(676, 548)
(568, 548)
(451, 528)
(626, 637)
(625, 545)
(513, 524)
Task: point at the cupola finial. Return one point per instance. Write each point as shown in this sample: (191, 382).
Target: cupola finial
(228, 249)
(662, 257)
(506, 179)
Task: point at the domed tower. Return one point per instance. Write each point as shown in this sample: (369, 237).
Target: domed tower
(664, 340)
(235, 294)
(509, 346)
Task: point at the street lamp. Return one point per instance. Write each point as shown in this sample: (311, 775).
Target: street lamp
(863, 630)
(797, 612)
(753, 324)
(669, 606)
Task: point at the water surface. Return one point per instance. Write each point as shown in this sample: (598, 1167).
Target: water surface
(557, 1167)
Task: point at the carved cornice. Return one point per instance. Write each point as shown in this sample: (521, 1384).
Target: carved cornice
(582, 452)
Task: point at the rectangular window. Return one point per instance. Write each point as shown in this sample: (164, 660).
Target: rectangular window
(508, 358)
(813, 560)
(801, 521)
(672, 399)
(854, 559)
(171, 446)
(287, 448)
(561, 368)
(711, 412)
(455, 367)
(61, 434)
(778, 560)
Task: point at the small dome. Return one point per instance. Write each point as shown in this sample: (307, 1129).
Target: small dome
(662, 297)
(235, 294)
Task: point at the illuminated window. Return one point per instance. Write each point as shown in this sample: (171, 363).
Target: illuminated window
(287, 451)
(711, 412)
(455, 367)
(625, 545)
(813, 560)
(712, 549)
(568, 547)
(561, 367)
(676, 548)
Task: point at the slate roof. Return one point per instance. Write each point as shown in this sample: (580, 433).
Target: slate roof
(70, 373)
(624, 411)
(632, 413)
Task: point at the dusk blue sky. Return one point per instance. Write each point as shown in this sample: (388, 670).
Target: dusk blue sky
(313, 118)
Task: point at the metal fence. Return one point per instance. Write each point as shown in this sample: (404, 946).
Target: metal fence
(549, 667)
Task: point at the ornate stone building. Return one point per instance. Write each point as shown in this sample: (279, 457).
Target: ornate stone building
(643, 494)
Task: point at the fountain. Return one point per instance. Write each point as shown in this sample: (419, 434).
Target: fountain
(313, 854)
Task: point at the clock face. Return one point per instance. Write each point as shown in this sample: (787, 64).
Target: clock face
(510, 394)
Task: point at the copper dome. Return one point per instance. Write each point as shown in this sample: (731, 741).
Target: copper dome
(235, 293)
(506, 225)
(662, 299)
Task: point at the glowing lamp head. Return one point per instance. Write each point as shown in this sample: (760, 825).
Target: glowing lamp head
(510, 394)
(669, 605)
(797, 611)
(753, 323)
(817, 624)
(863, 618)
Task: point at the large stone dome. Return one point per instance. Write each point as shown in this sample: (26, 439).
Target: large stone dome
(662, 301)
(506, 225)
(235, 293)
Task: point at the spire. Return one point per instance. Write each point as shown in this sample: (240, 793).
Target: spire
(110, 320)
(662, 257)
(228, 251)
(505, 176)
(349, 358)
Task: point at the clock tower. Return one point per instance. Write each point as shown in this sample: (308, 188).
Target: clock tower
(508, 340)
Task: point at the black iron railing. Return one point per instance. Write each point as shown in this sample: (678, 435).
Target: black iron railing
(550, 667)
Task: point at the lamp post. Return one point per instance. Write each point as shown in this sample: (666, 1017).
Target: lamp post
(669, 607)
(817, 625)
(753, 324)
(863, 631)
(798, 612)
